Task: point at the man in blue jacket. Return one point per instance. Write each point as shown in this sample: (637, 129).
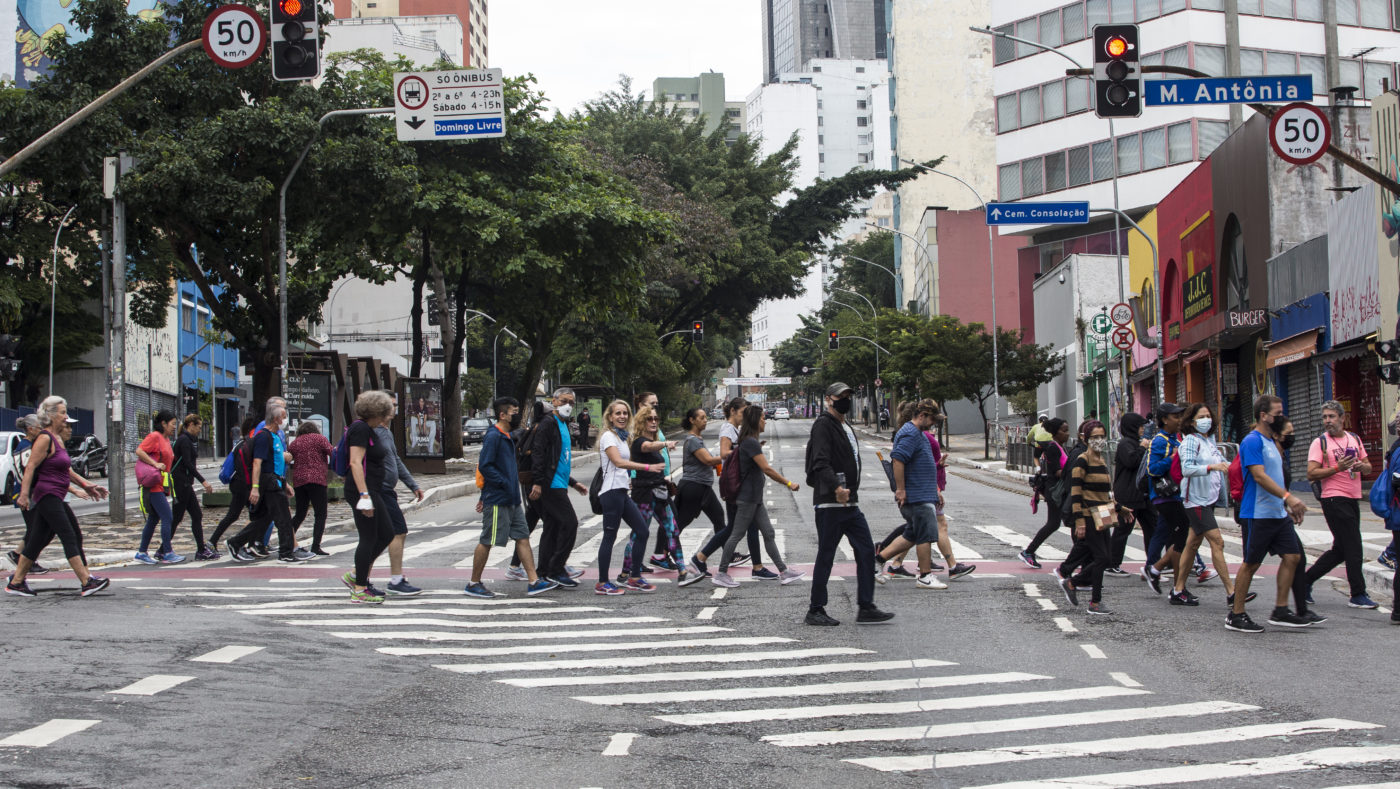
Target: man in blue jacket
(502, 515)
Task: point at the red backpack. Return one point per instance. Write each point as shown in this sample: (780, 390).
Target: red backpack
(1236, 477)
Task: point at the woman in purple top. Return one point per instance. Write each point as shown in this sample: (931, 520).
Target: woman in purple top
(46, 479)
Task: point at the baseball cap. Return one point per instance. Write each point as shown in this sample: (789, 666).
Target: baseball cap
(72, 421)
(837, 389)
(1166, 409)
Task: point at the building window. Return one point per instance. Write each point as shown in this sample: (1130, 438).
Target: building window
(1009, 182)
(1050, 31)
(1309, 10)
(1007, 112)
(821, 157)
(860, 69)
(1234, 270)
(1179, 143)
(1030, 106)
(1209, 135)
(1210, 59)
(1280, 63)
(1096, 11)
(862, 121)
(821, 139)
(1103, 160)
(1032, 177)
(1374, 13)
(861, 104)
(1283, 9)
(817, 69)
(862, 139)
(864, 158)
(1154, 149)
(1073, 18)
(1148, 9)
(1052, 100)
(1077, 165)
(1129, 154)
(1077, 95)
(1029, 30)
(187, 321)
(1055, 171)
(821, 121)
(1004, 50)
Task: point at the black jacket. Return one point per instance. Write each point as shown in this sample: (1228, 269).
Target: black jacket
(186, 469)
(545, 449)
(1125, 466)
(829, 452)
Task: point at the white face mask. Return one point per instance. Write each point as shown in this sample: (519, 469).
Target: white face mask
(1203, 426)
(566, 410)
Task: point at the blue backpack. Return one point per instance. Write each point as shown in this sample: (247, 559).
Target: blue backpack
(340, 456)
(226, 470)
(1383, 493)
(239, 462)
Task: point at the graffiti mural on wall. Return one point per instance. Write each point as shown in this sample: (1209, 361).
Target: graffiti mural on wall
(42, 21)
(1390, 223)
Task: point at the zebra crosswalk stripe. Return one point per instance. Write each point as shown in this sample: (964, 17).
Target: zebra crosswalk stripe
(824, 689)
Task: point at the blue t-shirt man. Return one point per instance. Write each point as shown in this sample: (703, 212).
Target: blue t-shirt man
(566, 447)
(1256, 450)
(268, 447)
(911, 448)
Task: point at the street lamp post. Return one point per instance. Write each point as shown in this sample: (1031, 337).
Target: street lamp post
(53, 291)
(495, 371)
(918, 245)
(882, 268)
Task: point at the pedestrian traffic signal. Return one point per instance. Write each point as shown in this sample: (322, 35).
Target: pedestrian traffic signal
(9, 353)
(1389, 350)
(1390, 373)
(296, 43)
(833, 340)
(1117, 72)
(697, 332)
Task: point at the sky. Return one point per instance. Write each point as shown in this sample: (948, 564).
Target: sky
(576, 50)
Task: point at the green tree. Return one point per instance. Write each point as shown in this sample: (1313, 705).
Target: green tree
(476, 390)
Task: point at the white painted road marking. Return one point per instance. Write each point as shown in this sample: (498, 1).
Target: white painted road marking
(897, 707)
(293, 580)
(638, 661)
(824, 689)
(1062, 750)
(618, 745)
(1094, 652)
(396, 611)
(1032, 590)
(739, 673)
(708, 612)
(1048, 605)
(719, 594)
(226, 654)
(1124, 680)
(1018, 541)
(1064, 624)
(545, 623)
(1002, 725)
(436, 635)
(152, 685)
(47, 733)
(608, 646)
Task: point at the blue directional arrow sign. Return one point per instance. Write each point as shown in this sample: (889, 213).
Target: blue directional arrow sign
(1067, 213)
(1228, 90)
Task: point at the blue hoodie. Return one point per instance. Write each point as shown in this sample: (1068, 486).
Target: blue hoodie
(498, 468)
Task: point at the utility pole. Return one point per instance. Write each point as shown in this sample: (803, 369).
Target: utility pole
(114, 167)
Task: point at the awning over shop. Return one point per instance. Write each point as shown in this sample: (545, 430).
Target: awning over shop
(1197, 356)
(1294, 349)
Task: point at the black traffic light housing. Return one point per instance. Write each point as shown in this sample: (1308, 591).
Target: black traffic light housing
(1117, 72)
(9, 356)
(1389, 350)
(296, 41)
(833, 339)
(697, 332)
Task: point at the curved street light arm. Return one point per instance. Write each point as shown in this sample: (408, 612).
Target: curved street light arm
(871, 305)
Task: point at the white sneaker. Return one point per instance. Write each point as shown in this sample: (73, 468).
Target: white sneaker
(883, 577)
(789, 575)
(930, 581)
(723, 579)
(516, 574)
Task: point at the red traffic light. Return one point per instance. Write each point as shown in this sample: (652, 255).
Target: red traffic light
(699, 326)
(290, 7)
(1115, 46)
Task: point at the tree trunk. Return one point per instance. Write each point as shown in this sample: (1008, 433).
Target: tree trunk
(420, 276)
(266, 381)
(452, 329)
(986, 428)
(539, 356)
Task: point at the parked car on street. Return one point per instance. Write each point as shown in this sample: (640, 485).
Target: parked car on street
(770, 412)
(11, 470)
(474, 430)
(782, 413)
(88, 454)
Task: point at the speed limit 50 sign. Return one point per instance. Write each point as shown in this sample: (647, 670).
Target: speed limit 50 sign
(234, 35)
(1299, 133)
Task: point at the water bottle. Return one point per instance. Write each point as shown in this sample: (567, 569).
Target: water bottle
(840, 479)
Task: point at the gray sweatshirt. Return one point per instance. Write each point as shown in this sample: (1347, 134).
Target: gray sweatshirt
(398, 469)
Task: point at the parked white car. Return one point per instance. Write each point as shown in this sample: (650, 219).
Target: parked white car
(11, 470)
(782, 413)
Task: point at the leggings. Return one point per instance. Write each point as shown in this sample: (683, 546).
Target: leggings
(694, 498)
(1172, 529)
(186, 500)
(1092, 553)
(666, 519)
(751, 516)
(1146, 519)
(618, 507)
(375, 534)
(239, 500)
(157, 506)
(315, 496)
(1052, 525)
(51, 518)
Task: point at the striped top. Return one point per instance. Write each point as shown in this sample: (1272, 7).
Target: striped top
(1090, 486)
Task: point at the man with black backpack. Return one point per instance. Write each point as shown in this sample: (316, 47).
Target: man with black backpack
(269, 495)
(239, 485)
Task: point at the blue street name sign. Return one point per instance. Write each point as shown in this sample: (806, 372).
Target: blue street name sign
(1069, 213)
(1228, 90)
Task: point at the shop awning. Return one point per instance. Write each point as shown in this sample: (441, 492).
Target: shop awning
(1197, 356)
(1294, 349)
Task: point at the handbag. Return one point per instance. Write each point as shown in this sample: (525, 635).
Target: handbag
(147, 476)
(1103, 516)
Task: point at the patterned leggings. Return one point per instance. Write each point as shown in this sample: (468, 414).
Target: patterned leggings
(666, 517)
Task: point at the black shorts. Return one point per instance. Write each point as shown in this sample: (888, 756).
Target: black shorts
(1202, 519)
(1270, 535)
(1172, 515)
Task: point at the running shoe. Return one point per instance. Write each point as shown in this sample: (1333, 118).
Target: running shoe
(1055, 571)
(540, 586)
(145, 558)
(367, 596)
(622, 578)
(1241, 623)
(170, 558)
(1230, 598)
(723, 579)
(607, 589)
(1314, 617)
(883, 576)
(303, 554)
(870, 615)
(1387, 559)
(259, 550)
(34, 569)
(764, 573)
(348, 579)
(319, 551)
(638, 585)
(1098, 609)
(789, 575)
(819, 618)
(234, 552)
(20, 589)
(517, 574)
(664, 563)
(572, 571)
(898, 571)
(94, 585)
(929, 581)
(1153, 578)
(404, 589)
(698, 565)
(205, 554)
(1362, 601)
(691, 577)
(1286, 618)
(1117, 571)
(1205, 575)
(935, 567)
(478, 590)
(1184, 598)
(1029, 559)
(564, 581)
(1071, 594)
(290, 558)
(959, 570)
(376, 591)
(739, 560)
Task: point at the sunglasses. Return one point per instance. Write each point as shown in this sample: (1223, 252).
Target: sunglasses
(653, 419)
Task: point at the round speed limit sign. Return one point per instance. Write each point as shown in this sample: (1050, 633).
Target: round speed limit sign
(1299, 133)
(234, 36)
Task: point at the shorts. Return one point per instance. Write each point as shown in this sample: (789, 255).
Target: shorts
(1270, 535)
(922, 520)
(1202, 519)
(391, 508)
(501, 523)
(1172, 515)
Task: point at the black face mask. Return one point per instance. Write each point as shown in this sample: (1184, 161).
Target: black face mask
(515, 420)
(842, 406)
(1287, 441)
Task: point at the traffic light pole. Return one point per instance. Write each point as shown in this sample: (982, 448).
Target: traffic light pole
(282, 227)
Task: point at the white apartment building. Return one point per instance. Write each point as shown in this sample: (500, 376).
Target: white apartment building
(1049, 143)
(839, 110)
(422, 39)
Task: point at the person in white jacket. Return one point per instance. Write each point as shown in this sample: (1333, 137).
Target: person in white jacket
(1203, 470)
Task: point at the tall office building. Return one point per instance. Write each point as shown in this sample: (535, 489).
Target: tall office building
(795, 32)
(471, 13)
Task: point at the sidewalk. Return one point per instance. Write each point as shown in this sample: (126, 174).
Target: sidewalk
(965, 451)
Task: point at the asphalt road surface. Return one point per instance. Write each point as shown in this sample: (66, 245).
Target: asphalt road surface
(228, 675)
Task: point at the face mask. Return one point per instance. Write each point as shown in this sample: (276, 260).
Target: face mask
(515, 420)
(565, 411)
(1099, 445)
(1203, 425)
(842, 406)
(1287, 442)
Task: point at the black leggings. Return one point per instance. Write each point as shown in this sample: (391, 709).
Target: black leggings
(239, 493)
(694, 498)
(52, 518)
(618, 507)
(1146, 519)
(1092, 553)
(314, 495)
(376, 532)
(1052, 525)
(186, 500)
